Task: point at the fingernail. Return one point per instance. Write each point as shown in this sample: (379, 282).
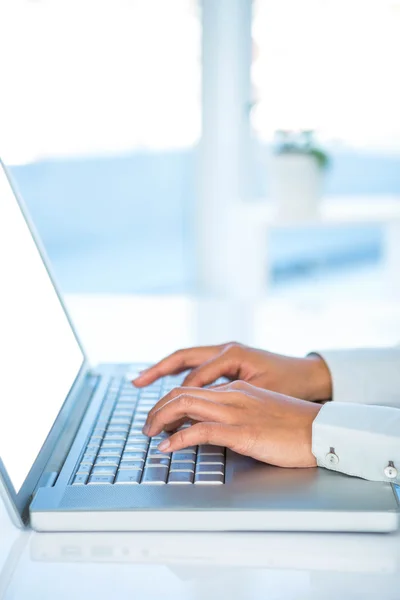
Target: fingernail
(164, 445)
(146, 429)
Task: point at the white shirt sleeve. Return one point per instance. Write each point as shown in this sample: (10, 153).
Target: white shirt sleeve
(358, 440)
(365, 376)
(348, 435)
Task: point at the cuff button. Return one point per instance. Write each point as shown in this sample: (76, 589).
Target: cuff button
(390, 471)
(332, 458)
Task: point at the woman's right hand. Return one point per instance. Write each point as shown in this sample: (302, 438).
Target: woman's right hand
(306, 378)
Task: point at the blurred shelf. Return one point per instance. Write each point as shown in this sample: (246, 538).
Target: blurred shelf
(334, 210)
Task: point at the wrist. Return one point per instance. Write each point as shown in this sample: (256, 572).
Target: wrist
(320, 378)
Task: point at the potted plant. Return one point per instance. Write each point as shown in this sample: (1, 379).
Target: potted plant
(296, 174)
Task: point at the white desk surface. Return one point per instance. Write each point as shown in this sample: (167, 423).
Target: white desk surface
(205, 566)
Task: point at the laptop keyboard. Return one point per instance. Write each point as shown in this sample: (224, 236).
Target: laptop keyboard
(119, 453)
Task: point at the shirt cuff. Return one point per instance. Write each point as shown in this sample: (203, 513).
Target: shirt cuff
(364, 376)
(363, 441)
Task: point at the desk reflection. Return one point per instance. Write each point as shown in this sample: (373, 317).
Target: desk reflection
(183, 566)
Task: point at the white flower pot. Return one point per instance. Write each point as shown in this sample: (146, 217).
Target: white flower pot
(295, 186)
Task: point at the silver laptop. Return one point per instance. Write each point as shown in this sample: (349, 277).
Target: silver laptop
(73, 455)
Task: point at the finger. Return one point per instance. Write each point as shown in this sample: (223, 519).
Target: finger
(223, 365)
(206, 394)
(219, 434)
(188, 407)
(178, 424)
(220, 386)
(176, 363)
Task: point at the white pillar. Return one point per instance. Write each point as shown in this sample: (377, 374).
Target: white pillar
(224, 148)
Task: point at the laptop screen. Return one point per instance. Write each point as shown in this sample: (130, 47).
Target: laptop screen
(39, 354)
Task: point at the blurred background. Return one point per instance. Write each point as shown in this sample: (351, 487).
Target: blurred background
(133, 127)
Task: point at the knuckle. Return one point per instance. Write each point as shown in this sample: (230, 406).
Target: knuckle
(180, 436)
(185, 401)
(237, 385)
(233, 350)
(176, 392)
(205, 431)
(230, 346)
(178, 352)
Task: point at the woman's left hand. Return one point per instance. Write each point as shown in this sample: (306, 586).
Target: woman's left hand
(267, 426)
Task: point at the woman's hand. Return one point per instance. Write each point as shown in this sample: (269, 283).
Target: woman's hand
(307, 378)
(267, 426)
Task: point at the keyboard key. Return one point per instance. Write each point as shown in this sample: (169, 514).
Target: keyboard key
(128, 477)
(208, 479)
(112, 444)
(110, 470)
(210, 468)
(107, 461)
(132, 464)
(138, 426)
(101, 479)
(182, 466)
(88, 459)
(155, 475)
(94, 441)
(154, 444)
(136, 447)
(133, 456)
(138, 420)
(110, 451)
(138, 439)
(92, 449)
(115, 435)
(183, 457)
(98, 433)
(158, 461)
(124, 412)
(154, 452)
(210, 449)
(143, 409)
(210, 459)
(180, 477)
(118, 427)
(137, 431)
(82, 469)
(81, 479)
(158, 438)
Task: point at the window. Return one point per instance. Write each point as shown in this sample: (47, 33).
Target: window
(100, 119)
(330, 66)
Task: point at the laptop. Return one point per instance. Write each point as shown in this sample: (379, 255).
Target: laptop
(73, 455)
